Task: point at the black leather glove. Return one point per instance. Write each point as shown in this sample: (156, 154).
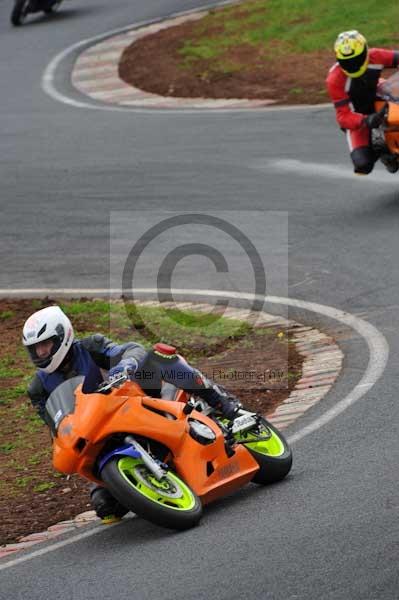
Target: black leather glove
(376, 119)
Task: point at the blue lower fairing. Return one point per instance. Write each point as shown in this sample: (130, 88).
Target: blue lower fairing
(126, 450)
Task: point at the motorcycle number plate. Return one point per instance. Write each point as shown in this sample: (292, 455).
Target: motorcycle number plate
(243, 422)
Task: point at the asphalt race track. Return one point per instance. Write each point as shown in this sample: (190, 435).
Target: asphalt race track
(330, 530)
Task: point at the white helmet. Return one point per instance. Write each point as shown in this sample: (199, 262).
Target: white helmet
(48, 323)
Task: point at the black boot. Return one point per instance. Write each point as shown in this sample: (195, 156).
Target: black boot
(106, 506)
(390, 162)
(221, 399)
(229, 406)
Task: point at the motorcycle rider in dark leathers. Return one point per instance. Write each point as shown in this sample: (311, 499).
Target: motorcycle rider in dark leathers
(49, 339)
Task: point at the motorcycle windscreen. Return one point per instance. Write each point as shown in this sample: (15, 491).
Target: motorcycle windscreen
(389, 89)
(61, 402)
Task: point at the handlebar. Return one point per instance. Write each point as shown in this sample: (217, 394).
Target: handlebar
(106, 386)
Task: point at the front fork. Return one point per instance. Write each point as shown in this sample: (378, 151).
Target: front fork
(158, 470)
(135, 450)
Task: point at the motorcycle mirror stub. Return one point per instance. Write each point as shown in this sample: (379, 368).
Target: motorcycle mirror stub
(197, 405)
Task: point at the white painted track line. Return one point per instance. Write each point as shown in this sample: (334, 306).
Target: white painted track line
(75, 538)
(197, 106)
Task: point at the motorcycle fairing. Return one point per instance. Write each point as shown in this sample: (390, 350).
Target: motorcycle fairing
(210, 471)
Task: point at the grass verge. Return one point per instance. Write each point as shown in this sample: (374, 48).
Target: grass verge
(283, 27)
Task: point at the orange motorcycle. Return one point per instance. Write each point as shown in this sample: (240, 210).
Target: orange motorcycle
(386, 138)
(162, 458)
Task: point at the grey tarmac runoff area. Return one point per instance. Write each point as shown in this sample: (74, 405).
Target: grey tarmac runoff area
(330, 530)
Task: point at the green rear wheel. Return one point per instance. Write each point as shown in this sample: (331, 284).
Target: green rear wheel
(273, 454)
(168, 502)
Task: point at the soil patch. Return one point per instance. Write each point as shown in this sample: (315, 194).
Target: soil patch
(261, 368)
(154, 64)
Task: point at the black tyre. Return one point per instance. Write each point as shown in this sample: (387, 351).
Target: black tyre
(19, 12)
(169, 502)
(273, 455)
(52, 7)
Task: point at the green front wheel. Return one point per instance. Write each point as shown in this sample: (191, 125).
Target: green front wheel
(168, 502)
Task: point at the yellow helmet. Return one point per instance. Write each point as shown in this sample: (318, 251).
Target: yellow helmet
(352, 53)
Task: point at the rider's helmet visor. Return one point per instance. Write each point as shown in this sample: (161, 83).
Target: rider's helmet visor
(355, 64)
